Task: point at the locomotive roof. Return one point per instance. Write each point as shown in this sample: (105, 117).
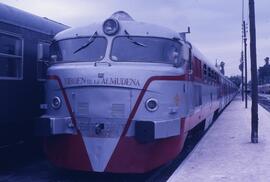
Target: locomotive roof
(134, 28)
(29, 21)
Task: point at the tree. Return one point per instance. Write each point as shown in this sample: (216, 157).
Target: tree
(236, 80)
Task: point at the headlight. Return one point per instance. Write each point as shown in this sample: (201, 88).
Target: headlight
(111, 26)
(151, 104)
(56, 102)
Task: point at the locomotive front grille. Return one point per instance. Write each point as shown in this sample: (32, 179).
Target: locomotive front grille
(100, 112)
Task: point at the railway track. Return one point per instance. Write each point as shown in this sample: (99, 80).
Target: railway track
(264, 101)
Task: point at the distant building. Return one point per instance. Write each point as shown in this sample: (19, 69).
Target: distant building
(264, 72)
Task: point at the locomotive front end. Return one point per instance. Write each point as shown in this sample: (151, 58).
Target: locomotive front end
(115, 97)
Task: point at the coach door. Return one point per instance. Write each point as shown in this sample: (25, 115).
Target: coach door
(42, 60)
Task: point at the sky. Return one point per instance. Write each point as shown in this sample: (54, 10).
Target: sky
(215, 24)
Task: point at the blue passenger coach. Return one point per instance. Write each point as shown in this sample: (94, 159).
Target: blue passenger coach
(24, 39)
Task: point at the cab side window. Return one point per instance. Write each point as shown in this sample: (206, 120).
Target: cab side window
(11, 57)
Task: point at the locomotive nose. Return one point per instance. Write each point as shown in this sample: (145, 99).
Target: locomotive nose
(87, 102)
(101, 108)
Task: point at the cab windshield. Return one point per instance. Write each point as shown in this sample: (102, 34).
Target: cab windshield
(79, 49)
(145, 49)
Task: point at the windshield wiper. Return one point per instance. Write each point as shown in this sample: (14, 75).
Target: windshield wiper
(134, 41)
(90, 41)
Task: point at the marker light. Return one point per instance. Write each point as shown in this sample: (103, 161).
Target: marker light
(111, 26)
(56, 102)
(151, 104)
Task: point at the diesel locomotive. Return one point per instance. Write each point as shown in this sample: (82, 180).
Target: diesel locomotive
(123, 95)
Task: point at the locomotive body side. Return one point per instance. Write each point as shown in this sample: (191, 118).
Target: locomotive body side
(122, 102)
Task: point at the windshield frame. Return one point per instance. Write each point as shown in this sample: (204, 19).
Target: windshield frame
(78, 37)
(134, 61)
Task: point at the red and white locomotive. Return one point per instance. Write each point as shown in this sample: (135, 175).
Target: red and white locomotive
(122, 96)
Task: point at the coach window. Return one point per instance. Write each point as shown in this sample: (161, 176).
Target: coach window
(209, 73)
(205, 70)
(43, 57)
(11, 59)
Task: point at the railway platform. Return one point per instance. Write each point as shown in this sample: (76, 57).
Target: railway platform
(225, 153)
